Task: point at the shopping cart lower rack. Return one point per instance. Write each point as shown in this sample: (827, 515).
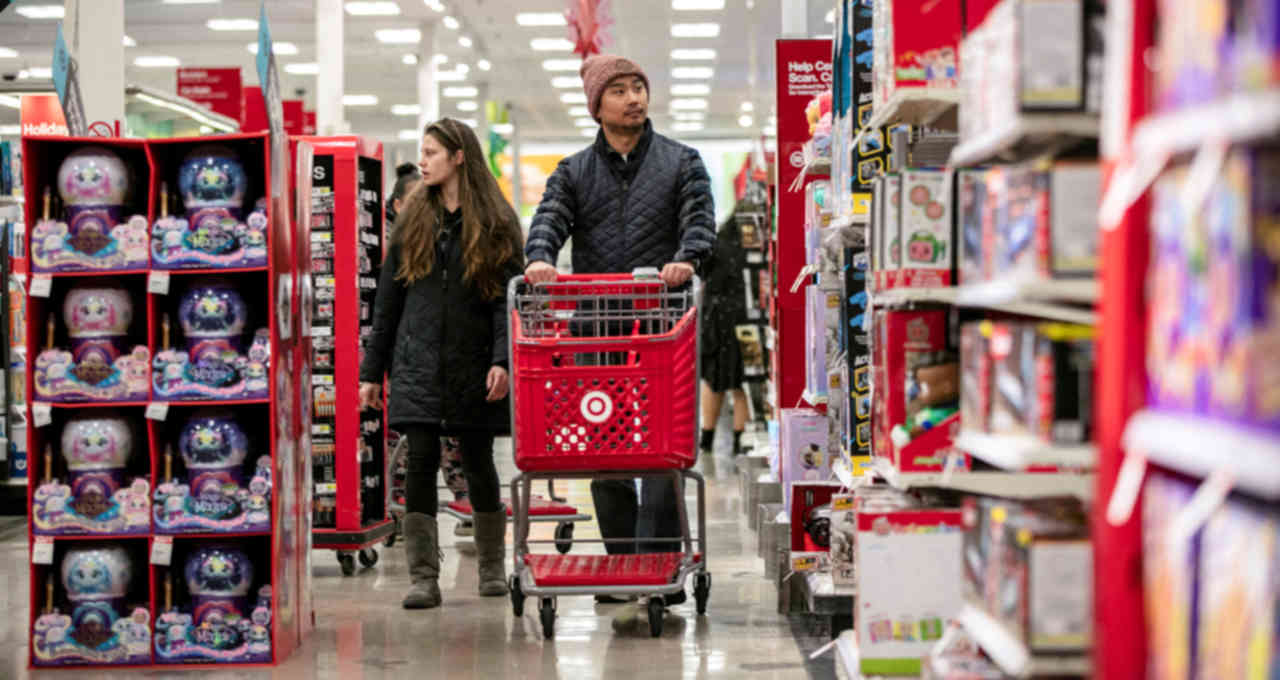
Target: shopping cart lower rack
(604, 375)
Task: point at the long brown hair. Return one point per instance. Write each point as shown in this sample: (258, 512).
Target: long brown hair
(491, 234)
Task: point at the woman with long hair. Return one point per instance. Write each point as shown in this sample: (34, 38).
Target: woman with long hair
(440, 330)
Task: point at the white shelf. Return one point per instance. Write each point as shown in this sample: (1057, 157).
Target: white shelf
(1000, 292)
(1011, 655)
(1019, 485)
(1043, 299)
(917, 106)
(1238, 117)
(1017, 453)
(1198, 446)
(1000, 143)
(14, 482)
(901, 296)
(813, 399)
(824, 597)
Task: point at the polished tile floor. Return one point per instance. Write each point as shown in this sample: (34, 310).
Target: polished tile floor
(363, 634)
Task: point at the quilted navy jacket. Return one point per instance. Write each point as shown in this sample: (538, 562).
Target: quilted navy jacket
(650, 209)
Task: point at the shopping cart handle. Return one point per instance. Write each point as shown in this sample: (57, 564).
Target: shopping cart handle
(640, 274)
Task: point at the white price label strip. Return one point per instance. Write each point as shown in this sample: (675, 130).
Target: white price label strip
(162, 551)
(42, 551)
(1128, 484)
(158, 410)
(41, 413)
(41, 286)
(158, 283)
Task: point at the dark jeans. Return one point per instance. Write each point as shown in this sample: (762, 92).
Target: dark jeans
(656, 516)
(421, 494)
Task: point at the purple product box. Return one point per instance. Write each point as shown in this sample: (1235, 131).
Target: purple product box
(804, 456)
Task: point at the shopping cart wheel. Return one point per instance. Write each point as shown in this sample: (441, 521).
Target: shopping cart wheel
(517, 596)
(656, 609)
(348, 563)
(547, 612)
(564, 537)
(702, 591)
(368, 557)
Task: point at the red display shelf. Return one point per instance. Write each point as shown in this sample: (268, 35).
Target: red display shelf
(95, 404)
(218, 402)
(92, 274)
(205, 271)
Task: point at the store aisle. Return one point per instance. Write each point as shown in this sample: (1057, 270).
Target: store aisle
(363, 634)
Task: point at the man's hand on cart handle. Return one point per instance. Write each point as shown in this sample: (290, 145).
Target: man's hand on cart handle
(540, 272)
(370, 396)
(676, 274)
(497, 383)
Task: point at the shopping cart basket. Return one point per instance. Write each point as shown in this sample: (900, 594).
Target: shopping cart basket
(604, 386)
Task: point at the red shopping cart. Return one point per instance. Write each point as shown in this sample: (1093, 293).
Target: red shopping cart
(604, 386)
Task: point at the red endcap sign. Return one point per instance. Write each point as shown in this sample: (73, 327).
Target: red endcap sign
(216, 89)
(41, 116)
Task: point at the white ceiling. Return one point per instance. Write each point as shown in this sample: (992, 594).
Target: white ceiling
(743, 66)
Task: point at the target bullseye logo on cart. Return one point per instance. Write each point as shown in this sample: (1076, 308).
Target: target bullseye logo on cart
(596, 407)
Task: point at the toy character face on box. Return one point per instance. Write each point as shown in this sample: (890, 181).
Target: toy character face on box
(925, 247)
(93, 176)
(96, 573)
(219, 571)
(93, 443)
(212, 310)
(212, 440)
(212, 177)
(97, 311)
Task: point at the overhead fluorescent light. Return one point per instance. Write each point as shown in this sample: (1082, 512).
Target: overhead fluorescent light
(127, 42)
(588, 133)
(464, 41)
(37, 72)
(574, 98)
(156, 61)
(451, 23)
(687, 127)
(405, 109)
(409, 60)
(280, 48)
(747, 107)
(689, 115)
(697, 5)
(359, 100)
(10, 129)
(708, 30)
(408, 135)
(579, 111)
(503, 128)
(562, 65)
(440, 58)
(461, 92)
(585, 122)
(770, 131)
(302, 68)
(463, 68)
(191, 2)
(10, 101)
(373, 9)
(745, 120)
(693, 72)
(434, 5)
(541, 19)
(688, 105)
(551, 44)
(831, 17)
(232, 24)
(398, 36)
(468, 105)
(469, 122)
(484, 64)
(690, 90)
(566, 82)
(455, 76)
(9, 53)
(693, 54)
(41, 11)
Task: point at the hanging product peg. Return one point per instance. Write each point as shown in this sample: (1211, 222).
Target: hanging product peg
(164, 200)
(49, 327)
(48, 199)
(164, 332)
(48, 463)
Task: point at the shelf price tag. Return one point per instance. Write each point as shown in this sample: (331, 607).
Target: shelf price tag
(162, 551)
(41, 413)
(42, 551)
(158, 283)
(41, 286)
(158, 410)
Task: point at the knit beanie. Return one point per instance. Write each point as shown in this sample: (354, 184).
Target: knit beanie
(600, 70)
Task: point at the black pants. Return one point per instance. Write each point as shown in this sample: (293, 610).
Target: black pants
(421, 494)
(623, 514)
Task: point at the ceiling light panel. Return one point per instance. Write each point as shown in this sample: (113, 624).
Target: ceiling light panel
(434, 5)
(373, 9)
(708, 30)
(127, 42)
(405, 109)
(579, 111)
(484, 64)
(465, 41)
(562, 65)
(156, 61)
(359, 100)
(689, 115)
(398, 36)
(688, 105)
(408, 135)
(574, 98)
(451, 23)
(460, 92)
(540, 19)
(409, 60)
(697, 5)
(232, 24)
(302, 68)
(585, 123)
(280, 48)
(690, 90)
(566, 82)
(687, 127)
(745, 120)
(693, 54)
(468, 105)
(41, 11)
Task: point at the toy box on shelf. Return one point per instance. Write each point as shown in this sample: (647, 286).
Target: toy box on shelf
(916, 45)
(340, 238)
(164, 533)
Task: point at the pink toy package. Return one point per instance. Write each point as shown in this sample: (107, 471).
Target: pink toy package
(804, 455)
(927, 235)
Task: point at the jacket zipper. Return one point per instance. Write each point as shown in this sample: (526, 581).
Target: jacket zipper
(444, 316)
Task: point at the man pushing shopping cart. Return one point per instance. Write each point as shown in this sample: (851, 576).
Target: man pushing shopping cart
(633, 199)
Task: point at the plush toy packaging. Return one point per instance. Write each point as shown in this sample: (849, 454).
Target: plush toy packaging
(803, 453)
(99, 351)
(1020, 234)
(94, 606)
(971, 193)
(919, 377)
(927, 240)
(1169, 578)
(100, 482)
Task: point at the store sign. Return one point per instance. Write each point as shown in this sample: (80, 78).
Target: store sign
(41, 116)
(216, 89)
(804, 72)
(294, 117)
(269, 80)
(308, 122)
(66, 80)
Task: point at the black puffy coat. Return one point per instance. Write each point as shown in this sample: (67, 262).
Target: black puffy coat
(439, 337)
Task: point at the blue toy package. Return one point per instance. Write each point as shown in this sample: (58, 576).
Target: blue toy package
(972, 194)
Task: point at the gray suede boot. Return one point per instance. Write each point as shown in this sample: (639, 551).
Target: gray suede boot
(491, 551)
(422, 547)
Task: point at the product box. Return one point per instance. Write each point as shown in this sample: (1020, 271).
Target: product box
(1070, 192)
(891, 242)
(857, 350)
(909, 573)
(810, 513)
(1190, 66)
(975, 376)
(1177, 286)
(817, 204)
(1169, 578)
(1020, 234)
(875, 233)
(843, 537)
(1065, 358)
(803, 454)
(922, 45)
(1236, 611)
(815, 344)
(927, 239)
(971, 194)
(1013, 379)
(1255, 43)
(911, 341)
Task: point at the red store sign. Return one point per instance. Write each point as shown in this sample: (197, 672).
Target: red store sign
(217, 89)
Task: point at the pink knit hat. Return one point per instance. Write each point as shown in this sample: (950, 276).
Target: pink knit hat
(600, 70)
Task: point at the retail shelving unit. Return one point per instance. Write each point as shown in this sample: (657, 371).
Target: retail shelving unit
(342, 236)
(250, 534)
